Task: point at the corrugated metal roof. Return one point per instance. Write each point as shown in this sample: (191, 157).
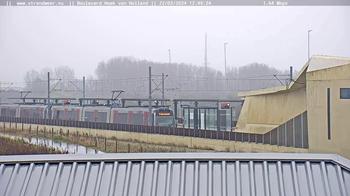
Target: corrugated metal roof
(170, 174)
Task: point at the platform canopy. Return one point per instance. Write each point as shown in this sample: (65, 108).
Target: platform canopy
(176, 174)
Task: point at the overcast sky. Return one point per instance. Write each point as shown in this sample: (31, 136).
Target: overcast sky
(81, 37)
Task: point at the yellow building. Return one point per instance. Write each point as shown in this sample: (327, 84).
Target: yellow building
(313, 111)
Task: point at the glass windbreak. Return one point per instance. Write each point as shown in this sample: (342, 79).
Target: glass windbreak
(211, 119)
(188, 114)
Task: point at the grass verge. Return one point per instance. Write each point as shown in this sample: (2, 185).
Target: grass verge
(10, 146)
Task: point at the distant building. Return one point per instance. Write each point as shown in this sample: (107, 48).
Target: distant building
(315, 105)
(7, 96)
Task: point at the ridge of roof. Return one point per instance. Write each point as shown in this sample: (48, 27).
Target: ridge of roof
(171, 156)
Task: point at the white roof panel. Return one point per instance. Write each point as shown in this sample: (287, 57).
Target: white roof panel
(324, 62)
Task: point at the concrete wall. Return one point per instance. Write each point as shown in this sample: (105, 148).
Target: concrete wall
(317, 84)
(191, 142)
(262, 113)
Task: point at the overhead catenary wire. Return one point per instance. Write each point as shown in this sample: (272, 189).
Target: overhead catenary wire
(141, 79)
(135, 86)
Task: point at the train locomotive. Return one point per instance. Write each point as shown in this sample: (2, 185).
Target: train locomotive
(161, 116)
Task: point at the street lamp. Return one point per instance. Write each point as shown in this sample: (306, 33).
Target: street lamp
(225, 44)
(169, 53)
(308, 43)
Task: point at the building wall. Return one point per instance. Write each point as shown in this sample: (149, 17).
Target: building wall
(262, 113)
(316, 87)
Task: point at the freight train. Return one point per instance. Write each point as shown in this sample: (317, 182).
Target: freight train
(161, 116)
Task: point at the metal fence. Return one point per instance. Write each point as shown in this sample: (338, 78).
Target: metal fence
(293, 133)
(268, 138)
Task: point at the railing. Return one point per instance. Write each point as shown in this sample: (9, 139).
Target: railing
(208, 134)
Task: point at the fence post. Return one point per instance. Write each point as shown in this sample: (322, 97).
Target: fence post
(105, 144)
(78, 135)
(116, 145)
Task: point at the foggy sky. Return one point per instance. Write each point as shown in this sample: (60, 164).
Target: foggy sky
(81, 37)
